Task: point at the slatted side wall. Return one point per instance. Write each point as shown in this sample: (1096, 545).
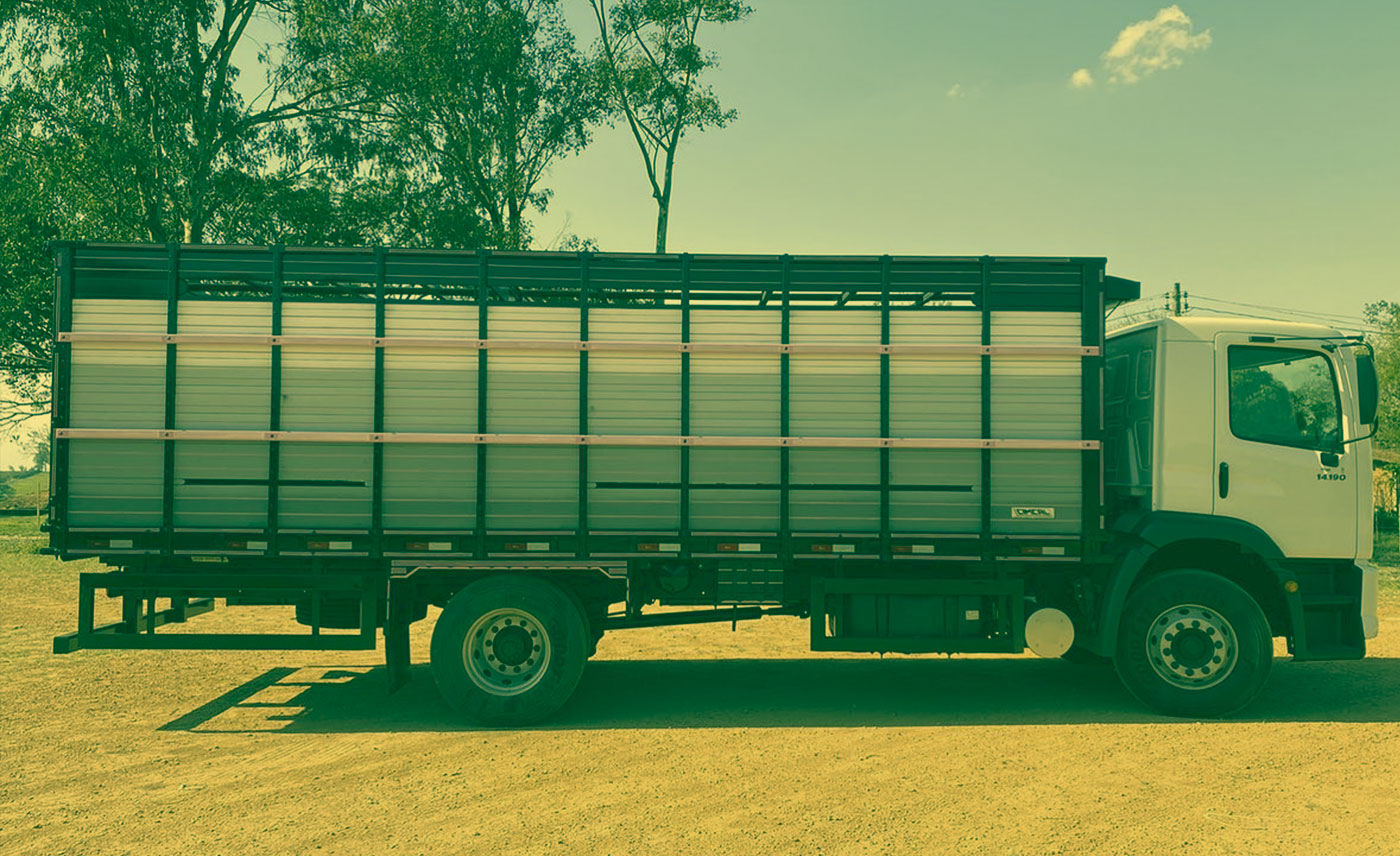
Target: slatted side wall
(308, 384)
(116, 385)
(735, 395)
(222, 484)
(430, 390)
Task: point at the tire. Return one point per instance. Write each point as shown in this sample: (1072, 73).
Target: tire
(1193, 644)
(1080, 656)
(509, 650)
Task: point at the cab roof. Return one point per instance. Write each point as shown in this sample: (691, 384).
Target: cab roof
(1205, 328)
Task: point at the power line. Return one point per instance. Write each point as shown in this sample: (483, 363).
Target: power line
(1282, 313)
(1176, 305)
(1301, 312)
(1276, 318)
(1284, 309)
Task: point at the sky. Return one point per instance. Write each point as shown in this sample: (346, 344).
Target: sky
(1247, 150)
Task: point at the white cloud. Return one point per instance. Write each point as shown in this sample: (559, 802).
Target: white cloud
(957, 91)
(1159, 43)
(1081, 79)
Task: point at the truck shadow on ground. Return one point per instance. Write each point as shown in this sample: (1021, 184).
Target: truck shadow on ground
(806, 693)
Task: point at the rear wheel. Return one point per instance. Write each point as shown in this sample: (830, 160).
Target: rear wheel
(509, 650)
(1192, 643)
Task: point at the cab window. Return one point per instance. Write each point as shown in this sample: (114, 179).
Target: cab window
(1284, 396)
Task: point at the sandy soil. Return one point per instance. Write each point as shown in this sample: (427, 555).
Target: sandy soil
(680, 740)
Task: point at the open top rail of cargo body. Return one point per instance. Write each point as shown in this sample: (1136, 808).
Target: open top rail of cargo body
(259, 404)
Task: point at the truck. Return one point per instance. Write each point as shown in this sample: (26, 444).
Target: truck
(915, 454)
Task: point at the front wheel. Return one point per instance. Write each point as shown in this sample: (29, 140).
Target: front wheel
(1192, 643)
(509, 650)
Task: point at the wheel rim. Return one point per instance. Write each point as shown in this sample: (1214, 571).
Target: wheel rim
(506, 651)
(1192, 647)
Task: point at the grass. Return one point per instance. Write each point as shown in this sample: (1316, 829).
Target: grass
(1387, 551)
(19, 530)
(1387, 556)
(24, 491)
(20, 542)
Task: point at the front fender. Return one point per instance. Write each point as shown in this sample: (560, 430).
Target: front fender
(1142, 537)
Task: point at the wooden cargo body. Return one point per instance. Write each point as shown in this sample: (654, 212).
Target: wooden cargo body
(372, 404)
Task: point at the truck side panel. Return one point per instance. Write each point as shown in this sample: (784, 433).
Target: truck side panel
(634, 406)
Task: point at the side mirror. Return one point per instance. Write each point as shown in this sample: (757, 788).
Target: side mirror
(1368, 393)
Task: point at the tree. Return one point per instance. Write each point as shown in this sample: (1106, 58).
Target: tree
(1384, 315)
(648, 55)
(123, 121)
(412, 122)
(138, 102)
(27, 222)
(37, 445)
(468, 104)
(132, 122)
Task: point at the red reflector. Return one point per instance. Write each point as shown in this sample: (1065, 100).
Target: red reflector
(318, 545)
(727, 548)
(516, 547)
(902, 548)
(1030, 551)
(821, 548)
(416, 545)
(648, 548)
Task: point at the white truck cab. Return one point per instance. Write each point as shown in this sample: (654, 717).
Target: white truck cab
(1242, 445)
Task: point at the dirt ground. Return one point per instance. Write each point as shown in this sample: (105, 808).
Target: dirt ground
(680, 740)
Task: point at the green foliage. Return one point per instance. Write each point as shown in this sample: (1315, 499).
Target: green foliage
(1387, 552)
(38, 446)
(648, 55)
(134, 111)
(122, 121)
(465, 106)
(28, 219)
(406, 122)
(1385, 316)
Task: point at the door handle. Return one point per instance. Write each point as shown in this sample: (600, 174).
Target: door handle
(1224, 479)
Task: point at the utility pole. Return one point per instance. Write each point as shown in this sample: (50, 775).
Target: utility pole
(1176, 300)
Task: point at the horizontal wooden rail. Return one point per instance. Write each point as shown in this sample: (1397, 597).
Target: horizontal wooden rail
(674, 440)
(573, 346)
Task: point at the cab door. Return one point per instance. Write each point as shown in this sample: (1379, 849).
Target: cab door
(1280, 462)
